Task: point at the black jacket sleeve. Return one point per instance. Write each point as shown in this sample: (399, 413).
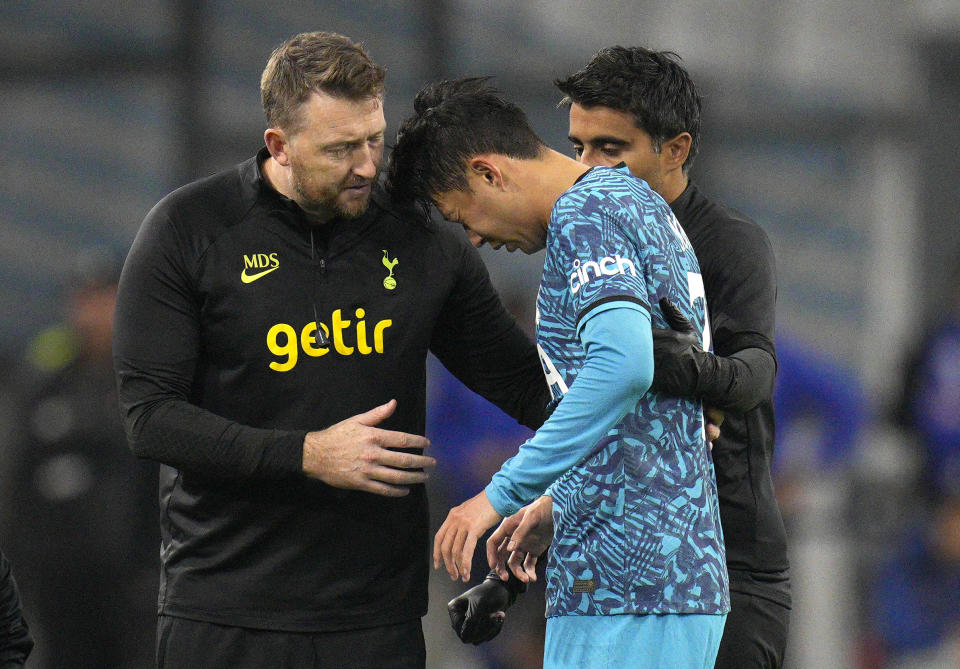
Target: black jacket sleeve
(738, 382)
(740, 280)
(481, 344)
(156, 347)
(15, 641)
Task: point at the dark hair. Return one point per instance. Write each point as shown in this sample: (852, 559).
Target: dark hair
(318, 61)
(453, 121)
(652, 86)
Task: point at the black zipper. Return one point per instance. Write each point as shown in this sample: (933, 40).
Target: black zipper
(321, 270)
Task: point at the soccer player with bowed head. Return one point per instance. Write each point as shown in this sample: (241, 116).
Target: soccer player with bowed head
(637, 576)
(641, 107)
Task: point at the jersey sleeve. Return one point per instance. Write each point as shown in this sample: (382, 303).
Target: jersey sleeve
(617, 371)
(480, 342)
(602, 264)
(156, 346)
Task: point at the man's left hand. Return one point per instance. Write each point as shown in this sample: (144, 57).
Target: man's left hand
(457, 538)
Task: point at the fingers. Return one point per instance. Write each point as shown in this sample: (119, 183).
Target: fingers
(465, 561)
(397, 477)
(523, 565)
(401, 461)
(713, 432)
(714, 416)
(392, 439)
(674, 316)
(378, 414)
(530, 566)
(446, 544)
(498, 561)
(496, 548)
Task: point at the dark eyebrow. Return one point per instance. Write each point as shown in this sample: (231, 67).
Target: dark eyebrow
(600, 141)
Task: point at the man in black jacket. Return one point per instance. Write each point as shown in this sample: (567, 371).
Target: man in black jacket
(640, 107)
(272, 328)
(15, 641)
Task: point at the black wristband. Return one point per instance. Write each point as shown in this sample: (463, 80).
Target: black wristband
(514, 585)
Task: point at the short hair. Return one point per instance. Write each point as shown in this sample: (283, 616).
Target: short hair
(316, 62)
(652, 86)
(453, 121)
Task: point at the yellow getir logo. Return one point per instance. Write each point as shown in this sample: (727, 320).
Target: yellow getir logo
(285, 342)
(264, 262)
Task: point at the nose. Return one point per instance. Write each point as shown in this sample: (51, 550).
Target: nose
(367, 162)
(589, 157)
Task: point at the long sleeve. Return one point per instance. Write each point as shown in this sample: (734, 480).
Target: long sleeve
(482, 345)
(156, 349)
(617, 371)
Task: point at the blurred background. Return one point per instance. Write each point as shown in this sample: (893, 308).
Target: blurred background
(833, 123)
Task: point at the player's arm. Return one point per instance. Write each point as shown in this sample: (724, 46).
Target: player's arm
(617, 370)
(741, 291)
(481, 344)
(156, 349)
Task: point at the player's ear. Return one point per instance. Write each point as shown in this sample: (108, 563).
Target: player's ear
(675, 151)
(487, 171)
(276, 141)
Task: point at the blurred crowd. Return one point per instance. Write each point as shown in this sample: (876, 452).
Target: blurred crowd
(871, 496)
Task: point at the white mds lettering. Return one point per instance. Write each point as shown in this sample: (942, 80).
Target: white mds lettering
(286, 343)
(593, 269)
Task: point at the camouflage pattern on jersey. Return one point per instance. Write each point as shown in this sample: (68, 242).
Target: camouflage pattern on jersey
(637, 524)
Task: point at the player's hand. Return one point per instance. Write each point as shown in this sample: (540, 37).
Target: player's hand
(478, 614)
(714, 419)
(678, 356)
(516, 545)
(353, 454)
(457, 537)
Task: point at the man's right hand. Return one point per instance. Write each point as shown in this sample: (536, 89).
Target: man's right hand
(355, 455)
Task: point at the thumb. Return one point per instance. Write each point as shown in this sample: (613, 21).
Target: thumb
(377, 415)
(674, 316)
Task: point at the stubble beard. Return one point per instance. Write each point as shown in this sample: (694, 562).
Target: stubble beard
(323, 200)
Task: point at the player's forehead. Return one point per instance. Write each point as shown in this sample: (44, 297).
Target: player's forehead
(452, 203)
(588, 124)
(335, 119)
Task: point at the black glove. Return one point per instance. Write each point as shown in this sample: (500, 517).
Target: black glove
(680, 365)
(477, 615)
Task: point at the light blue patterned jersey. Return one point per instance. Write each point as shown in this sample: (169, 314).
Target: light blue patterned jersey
(636, 524)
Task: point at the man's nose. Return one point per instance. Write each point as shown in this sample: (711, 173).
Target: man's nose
(367, 160)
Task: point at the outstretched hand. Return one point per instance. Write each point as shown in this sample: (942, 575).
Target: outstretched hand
(354, 454)
(457, 538)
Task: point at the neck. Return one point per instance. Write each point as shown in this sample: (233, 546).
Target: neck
(673, 186)
(550, 177)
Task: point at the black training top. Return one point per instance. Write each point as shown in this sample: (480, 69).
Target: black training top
(221, 376)
(739, 275)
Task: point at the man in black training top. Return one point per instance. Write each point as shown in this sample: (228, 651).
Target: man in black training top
(641, 107)
(272, 328)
